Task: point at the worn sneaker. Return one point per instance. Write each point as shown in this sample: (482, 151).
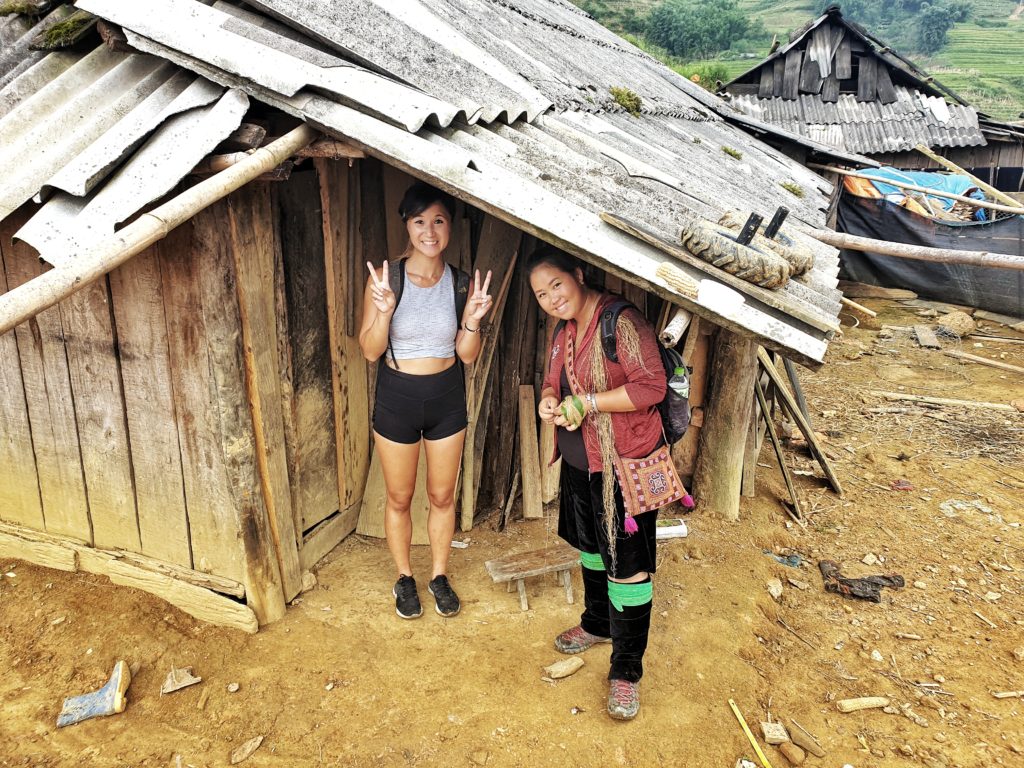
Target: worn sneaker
(407, 602)
(577, 640)
(446, 602)
(623, 699)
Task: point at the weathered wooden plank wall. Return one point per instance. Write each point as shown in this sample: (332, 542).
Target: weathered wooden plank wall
(48, 400)
(20, 501)
(312, 455)
(140, 319)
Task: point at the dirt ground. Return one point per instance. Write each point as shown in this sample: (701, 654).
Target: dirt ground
(342, 681)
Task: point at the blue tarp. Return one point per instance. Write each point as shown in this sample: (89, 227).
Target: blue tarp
(940, 182)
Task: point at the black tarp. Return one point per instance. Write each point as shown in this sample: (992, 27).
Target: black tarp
(997, 290)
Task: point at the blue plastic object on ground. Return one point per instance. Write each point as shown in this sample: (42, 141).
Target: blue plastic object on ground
(108, 700)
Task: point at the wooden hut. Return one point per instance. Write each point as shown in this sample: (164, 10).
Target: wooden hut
(836, 84)
(184, 406)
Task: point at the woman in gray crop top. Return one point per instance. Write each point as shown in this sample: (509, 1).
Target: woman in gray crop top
(420, 394)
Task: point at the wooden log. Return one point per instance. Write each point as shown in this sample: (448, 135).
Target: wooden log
(751, 452)
(944, 401)
(1014, 207)
(718, 473)
(988, 189)
(198, 578)
(919, 253)
(533, 507)
(20, 500)
(926, 337)
(18, 305)
(138, 307)
(864, 702)
(15, 545)
(252, 246)
(984, 361)
(676, 327)
(348, 366)
(801, 422)
(195, 601)
(247, 510)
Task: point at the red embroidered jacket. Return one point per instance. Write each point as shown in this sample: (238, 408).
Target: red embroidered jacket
(636, 432)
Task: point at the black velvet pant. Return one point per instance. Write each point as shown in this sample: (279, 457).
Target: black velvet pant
(580, 523)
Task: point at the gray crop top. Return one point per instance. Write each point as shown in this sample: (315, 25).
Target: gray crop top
(424, 323)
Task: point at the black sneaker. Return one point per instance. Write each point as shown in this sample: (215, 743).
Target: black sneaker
(446, 602)
(407, 602)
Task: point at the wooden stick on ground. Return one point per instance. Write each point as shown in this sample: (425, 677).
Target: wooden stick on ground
(801, 422)
(950, 165)
(750, 736)
(984, 361)
(797, 513)
(943, 401)
(857, 307)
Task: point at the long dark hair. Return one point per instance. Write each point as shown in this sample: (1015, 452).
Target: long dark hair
(421, 196)
(548, 255)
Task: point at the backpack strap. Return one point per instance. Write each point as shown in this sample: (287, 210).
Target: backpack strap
(609, 317)
(460, 284)
(396, 280)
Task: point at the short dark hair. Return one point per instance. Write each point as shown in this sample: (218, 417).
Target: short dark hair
(552, 257)
(421, 196)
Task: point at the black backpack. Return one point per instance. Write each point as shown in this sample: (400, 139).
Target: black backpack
(674, 408)
(460, 284)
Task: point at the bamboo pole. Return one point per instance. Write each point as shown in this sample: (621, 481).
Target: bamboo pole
(984, 361)
(918, 252)
(950, 165)
(1015, 208)
(29, 299)
(850, 304)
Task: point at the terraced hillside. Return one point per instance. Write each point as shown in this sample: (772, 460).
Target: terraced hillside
(983, 59)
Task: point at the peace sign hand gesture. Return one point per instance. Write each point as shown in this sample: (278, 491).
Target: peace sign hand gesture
(479, 303)
(380, 290)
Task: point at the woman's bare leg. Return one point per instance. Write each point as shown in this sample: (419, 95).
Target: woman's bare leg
(398, 462)
(443, 459)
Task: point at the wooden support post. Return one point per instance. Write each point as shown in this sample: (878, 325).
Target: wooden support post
(752, 451)
(798, 417)
(951, 166)
(718, 474)
(533, 507)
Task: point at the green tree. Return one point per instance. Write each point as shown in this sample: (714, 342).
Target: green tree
(697, 29)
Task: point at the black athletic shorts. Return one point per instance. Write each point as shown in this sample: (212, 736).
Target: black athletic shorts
(409, 406)
(581, 524)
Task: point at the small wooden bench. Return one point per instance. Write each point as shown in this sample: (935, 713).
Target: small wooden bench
(559, 559)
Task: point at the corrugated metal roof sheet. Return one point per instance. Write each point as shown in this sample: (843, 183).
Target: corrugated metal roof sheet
(866, 127)
(553, 177)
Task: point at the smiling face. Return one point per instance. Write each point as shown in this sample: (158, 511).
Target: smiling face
(561, 294)
(429, 230)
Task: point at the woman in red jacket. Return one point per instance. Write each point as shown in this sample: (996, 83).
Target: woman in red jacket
(604, 410)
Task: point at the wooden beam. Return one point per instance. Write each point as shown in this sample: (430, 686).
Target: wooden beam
(984, 361)
(945, 401)
(850, 304)
(718, 473)
(251, 245)
(919, 253)
(18, 305)
(801, 422)
(327, 535)
(797, 513)
(533, 507)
